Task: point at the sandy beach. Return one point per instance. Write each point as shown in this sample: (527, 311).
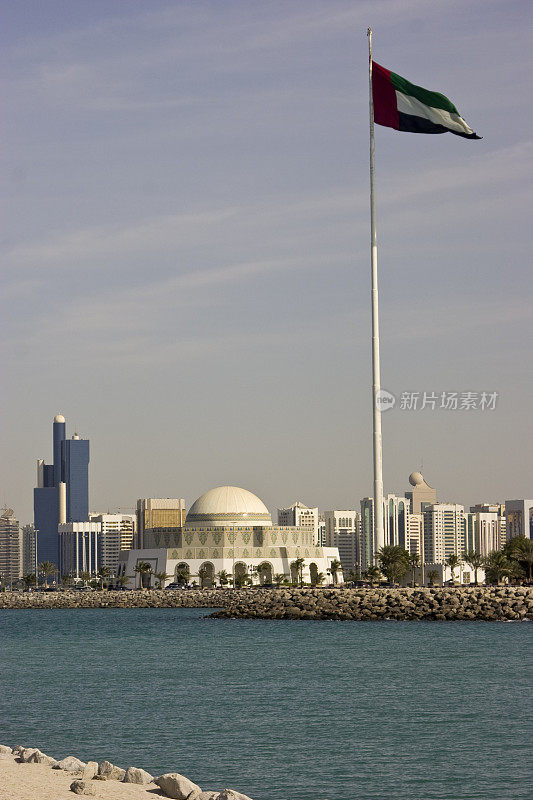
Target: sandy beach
(41, 782)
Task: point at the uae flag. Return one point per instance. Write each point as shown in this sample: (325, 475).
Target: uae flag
(403, 106)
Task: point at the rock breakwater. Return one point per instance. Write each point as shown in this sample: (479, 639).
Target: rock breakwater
(489, 603)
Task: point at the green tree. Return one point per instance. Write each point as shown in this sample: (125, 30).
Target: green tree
(144, 571)
(520, 550)
(183, 575)
(474, 559)
(453, 562)
(222, 577)
(66, 579)
(432, 576)
(298, 567)
(122, 580)
(497, 567)
(29, 579)
(47, 568)
(393, 561)
(85, 577)
(319, 578)
(279, 578)
(334, 568)
(372, 574)
(103, 574)
(161, 577)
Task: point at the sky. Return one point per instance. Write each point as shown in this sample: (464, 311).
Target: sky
(185, 247)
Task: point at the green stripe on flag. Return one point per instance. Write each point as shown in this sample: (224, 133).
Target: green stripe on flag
(434, 99)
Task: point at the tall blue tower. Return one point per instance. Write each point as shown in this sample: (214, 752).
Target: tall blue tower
(62, 490)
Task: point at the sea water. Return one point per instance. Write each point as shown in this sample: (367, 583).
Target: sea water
(280, 710)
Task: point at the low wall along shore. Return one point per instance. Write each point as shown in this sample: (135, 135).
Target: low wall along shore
(489, 603)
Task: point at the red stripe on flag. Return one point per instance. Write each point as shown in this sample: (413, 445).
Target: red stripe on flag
(384, 97)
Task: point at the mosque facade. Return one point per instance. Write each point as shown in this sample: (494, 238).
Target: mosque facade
(229, 530)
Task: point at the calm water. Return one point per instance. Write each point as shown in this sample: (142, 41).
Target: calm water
(290, 710)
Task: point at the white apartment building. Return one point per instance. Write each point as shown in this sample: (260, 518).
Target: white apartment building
(342, 531)
(299, 516)
(10, 547)
(415, 527)
(117, 533)
(485, 528)
(444, 526)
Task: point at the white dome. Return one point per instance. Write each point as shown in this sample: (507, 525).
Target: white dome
(59, 418)
(416, 478)
(228, 504)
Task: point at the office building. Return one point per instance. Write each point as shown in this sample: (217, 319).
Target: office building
(117, 532)
(415, 528)
(28, 550)
(79, 548)
(342, 531)
(158, 520)
(299, 516)
(10, 547)
(485, 528)
(62, 492)
(396, 514)
(519, 518)
(444, 532)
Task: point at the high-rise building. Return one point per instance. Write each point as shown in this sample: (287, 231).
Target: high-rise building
(299, 516)
(28, 550)
(396, 515)
(342, 531)
(158, 517)
(444, 532)
(422, 494)
(62, 492)
(79, 547)
(10, 547)
(485, 528)
(416, 535)
(117, 533)
(519, 518)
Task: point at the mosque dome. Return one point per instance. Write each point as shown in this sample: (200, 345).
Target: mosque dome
(228, 505)
(416, 478)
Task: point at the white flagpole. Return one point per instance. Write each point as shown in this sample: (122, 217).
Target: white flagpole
(379, 537)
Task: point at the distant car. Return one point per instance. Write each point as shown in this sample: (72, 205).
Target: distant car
(82, 588)
(173, 586)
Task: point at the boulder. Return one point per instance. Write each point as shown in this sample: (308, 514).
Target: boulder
(230, 794)
(41, 758)
(176, 786)
(5, 749)
(89, 770)
(135, 775)
(82, 787)
(205, 795)
(17, 750)
(71, 764)
(26, 753)
(111, 772)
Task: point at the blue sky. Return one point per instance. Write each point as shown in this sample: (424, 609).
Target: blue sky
(185, 249)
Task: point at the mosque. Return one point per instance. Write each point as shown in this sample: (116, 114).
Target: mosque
(230, 530)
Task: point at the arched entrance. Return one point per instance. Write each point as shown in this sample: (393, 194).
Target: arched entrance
(241, 574)
(206, 573)
(265, 572)
(182, 573)
(313, 571)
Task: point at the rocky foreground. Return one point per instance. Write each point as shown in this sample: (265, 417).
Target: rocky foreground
(27, 774)
(489, 603)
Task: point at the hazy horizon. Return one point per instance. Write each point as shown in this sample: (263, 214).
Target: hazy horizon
(186, 248)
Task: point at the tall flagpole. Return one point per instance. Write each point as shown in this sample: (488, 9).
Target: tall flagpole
(379, 537)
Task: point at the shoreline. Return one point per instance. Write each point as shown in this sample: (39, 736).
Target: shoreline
(482, 603)
(27, 773)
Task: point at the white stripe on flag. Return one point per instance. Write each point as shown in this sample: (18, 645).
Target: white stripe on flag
(410, 105)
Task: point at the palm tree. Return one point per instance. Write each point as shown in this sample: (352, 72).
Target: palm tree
(334, 567)
(520, 549)
(29, 579)
(393, 562)
(372, 574)
(47, 568)
(432, 576)
(222, 577)
(66, 579)
(204, 575)
(453, 562)
(319, 578)
(103, 573)
(143, 568)
(183, 575)
(497, 566)
(279, 577)
(414, 562)
(122, 580)
(474, 559)
(161, 578)
(298, 566)
(85, 577)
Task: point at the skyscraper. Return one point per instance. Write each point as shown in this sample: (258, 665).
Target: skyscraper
(10, 546)
(62, 492)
